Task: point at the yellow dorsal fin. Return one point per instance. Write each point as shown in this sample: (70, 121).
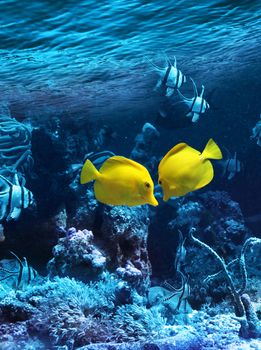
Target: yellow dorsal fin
(119, 161)
(212, 151)
(178, 148)
(88, 173)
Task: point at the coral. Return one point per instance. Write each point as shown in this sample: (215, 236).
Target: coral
(138, 323)
(124, 232)
(188, 215)
(142, 151)
(219, 218)
(220, 224)
(13, 310)
(250, 326)
(76, 256)
(71, 313)
(13, 332)
(85, 215)
(15, 144)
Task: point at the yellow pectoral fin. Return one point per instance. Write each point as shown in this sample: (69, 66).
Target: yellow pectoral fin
(88, 173)
(166, 193)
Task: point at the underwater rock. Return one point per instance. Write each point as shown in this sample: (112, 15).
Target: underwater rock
(144, 142)
(188, 215)
(186, 338)
(87, 209)
(76, 256)
(220, 223)
(124, 231)
(13, 310)
(12, 334)
(218, 217)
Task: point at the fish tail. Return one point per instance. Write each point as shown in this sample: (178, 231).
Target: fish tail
(211, 151)
(88, 173)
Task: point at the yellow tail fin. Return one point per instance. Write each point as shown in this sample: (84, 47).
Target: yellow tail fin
(89, 172)
(212, 151)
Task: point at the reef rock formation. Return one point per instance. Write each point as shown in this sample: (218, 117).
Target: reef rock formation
(124, 230)
(76, 256)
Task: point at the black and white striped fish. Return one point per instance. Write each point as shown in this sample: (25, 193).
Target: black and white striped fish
(105, 135)
(171, 77)
(13, 199)
(231, 167)
(98, 158)
(23, 276)
(183, 293)
(197, 104)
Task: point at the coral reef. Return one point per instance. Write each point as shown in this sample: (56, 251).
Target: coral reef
(250, 325)
(124, 232)
(219, 218)
(144, 142)
(76, 256)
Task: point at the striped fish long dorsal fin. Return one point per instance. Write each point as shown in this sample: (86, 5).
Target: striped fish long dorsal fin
(194, 87)
(6, 180)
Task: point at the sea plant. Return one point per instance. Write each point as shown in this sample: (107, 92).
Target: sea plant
(245, 313)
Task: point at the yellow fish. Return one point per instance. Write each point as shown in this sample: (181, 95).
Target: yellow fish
(184, 169)
(120, 181)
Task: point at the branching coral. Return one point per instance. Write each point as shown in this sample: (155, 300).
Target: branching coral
(250, 326)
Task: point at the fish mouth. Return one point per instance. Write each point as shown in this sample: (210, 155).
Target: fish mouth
(153, 201)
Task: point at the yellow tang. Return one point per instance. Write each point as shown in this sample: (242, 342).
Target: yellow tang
(120, 181)
(184, 169)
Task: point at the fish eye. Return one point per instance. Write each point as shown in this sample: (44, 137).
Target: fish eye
(160, 182)
(147, 185)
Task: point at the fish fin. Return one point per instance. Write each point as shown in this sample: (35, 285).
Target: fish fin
(230, 176)
(211, 151)
(175, 62)
(194, 87)
(88, 173)
(169, 92)
(189, 114)
(119, 160)
(184, 98)
(179, 147)
(6, 180)
(195, 117)
(206, 177)
(202, 91)
(154, 65)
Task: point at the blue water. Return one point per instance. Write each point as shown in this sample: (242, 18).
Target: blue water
(47, 43)
(85, 62)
